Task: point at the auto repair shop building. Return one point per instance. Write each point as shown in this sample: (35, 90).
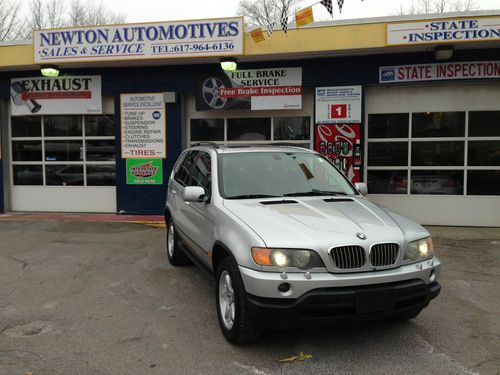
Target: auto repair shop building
(409, 105)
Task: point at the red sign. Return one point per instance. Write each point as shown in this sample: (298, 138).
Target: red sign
(441, 71)
(341, 144)
(338, 111)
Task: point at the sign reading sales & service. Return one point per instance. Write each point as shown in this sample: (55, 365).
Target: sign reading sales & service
(56, 96)
(447, 30)
(439, 71)
(222, 36)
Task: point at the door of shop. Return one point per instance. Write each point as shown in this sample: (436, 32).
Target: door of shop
(62, 163)
(433, 152)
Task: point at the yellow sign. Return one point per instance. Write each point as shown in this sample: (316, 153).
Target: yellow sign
(304, 17)
(257, 35)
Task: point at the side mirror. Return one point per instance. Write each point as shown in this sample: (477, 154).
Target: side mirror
(361, 187)
(193, 193)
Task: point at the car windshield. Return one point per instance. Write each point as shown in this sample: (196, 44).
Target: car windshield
(279, 174)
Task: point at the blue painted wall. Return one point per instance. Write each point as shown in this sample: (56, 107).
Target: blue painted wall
(362, 70)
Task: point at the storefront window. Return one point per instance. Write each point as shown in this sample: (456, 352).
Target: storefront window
(208, 130)
(483, 182)
(388, 182)
(66, 175)
(27, 174)
(438, 124)
(444, 182)
(484, 124)
(295, 130)
(292, 128)
(63, 150)
(99, 126)
(437, 153)
(387, 154)
(28, 126)
(100, 150)
(101, 175)
(27, 151)
(62, 126)
(388, 125)
(249, 129)
(484, 153)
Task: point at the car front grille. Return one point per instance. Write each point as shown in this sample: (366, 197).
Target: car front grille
(384, 254)
(348, 257)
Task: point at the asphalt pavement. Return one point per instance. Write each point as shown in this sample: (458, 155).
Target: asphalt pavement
(100, 298)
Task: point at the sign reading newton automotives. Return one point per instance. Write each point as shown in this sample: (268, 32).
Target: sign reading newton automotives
(446, 30)
(143, 125)
(439, 71)
(338, 105)
(223, 36)
(56, 96)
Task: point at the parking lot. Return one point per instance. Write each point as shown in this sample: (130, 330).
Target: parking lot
(100, 298)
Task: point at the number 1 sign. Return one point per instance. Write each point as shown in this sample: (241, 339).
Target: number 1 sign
(336, 105)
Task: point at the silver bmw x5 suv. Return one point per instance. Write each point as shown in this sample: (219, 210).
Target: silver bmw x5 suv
(290, 241)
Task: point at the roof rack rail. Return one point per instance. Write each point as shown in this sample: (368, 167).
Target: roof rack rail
(211, 144)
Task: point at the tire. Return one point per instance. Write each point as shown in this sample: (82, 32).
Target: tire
(174, 254)
(236, 326)
(208, 95)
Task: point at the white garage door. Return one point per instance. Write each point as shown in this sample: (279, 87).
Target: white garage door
(433, 152)
(63, 163)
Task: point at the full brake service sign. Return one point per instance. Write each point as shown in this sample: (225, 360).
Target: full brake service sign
(222, 36)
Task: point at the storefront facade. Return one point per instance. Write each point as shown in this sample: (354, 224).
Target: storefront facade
(428, 147)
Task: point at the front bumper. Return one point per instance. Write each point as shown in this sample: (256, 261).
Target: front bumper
(323, 297)
(344, 304)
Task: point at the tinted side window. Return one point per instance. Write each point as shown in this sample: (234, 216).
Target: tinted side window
(200, 171)
(182, 176)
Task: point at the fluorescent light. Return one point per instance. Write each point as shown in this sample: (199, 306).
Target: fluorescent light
(228, 64)
(49, 71)
(443, 52)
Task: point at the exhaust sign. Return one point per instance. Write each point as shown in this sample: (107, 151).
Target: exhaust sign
(56, 96)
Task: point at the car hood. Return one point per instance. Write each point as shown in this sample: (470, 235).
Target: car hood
(323, 222)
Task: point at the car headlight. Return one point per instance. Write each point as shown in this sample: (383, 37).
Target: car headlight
(419, 250)
(283, 258)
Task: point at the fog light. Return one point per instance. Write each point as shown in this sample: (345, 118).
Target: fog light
(432, 276)
(284, 287)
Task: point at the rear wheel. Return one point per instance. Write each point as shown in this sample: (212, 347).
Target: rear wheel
(237, 327)
(175, 255)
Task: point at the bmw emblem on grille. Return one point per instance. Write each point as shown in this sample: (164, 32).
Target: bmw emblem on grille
(361, 236)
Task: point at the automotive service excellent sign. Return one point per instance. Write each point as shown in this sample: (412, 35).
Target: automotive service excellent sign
(143, 125)
(56, 96)
(447, 30)
(222, 36)
(255, 89)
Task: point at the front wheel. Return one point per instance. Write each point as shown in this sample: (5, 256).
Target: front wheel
(174, 254)
(237, 327)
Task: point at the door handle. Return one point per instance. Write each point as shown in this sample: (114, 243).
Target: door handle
(174, 191)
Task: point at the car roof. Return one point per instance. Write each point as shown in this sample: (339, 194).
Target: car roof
(221, 149)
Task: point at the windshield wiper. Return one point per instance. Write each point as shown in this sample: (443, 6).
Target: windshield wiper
(250, 196)
(314, 193)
